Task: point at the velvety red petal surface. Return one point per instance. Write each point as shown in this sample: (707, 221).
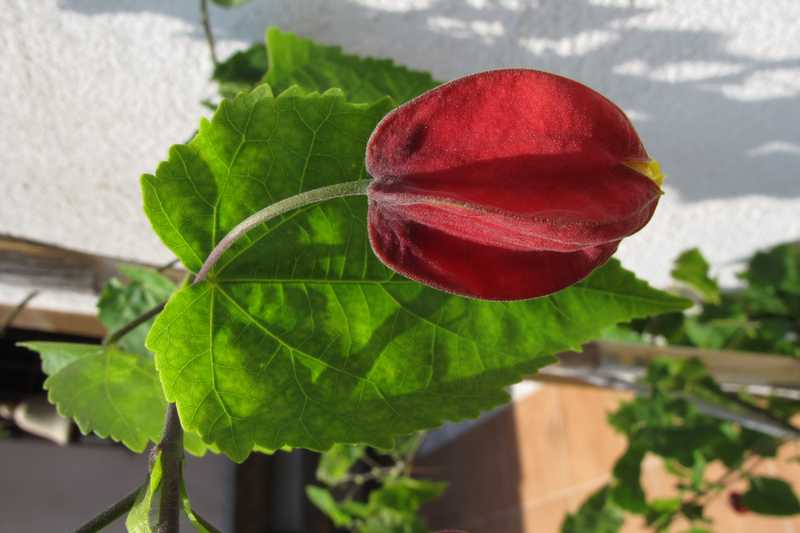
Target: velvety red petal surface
(497, 115)
(528, 203)
(464, 267)
(508, 184)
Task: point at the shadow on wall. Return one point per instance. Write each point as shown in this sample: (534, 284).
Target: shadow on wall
(723, 124)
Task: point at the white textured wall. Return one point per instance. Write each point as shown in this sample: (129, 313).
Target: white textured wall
(95, 91)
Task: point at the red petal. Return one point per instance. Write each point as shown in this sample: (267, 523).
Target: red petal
(501, 114)
(507, 184)
(527, 203)
(464, 267)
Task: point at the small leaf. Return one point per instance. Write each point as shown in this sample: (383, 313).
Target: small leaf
(142, 516)
(336, 462)
(405, 494)
(326, 503)
(108, 391)
(297, 61)
(120, 303)
(626, 490)
(661, 512)
(242, 71)
(771, 496)
(596, 515)
(199, 524)
(692, 268)
(113, 393)
(698, 470)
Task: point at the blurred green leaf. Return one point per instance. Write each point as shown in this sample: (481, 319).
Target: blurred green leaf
(122, 301)
(626, 489)
(596, 515)
(661, 512)
(692, 269)
(335, 464)
(325, 502)
(771, 496)
(242, 71)
(405, 494)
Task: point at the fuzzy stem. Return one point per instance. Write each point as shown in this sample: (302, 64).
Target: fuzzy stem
(133, 324)
(172, 464)
(204, 18)
(350, 188)
(109, 515)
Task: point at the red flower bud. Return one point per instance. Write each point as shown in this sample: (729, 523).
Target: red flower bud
(506, 185)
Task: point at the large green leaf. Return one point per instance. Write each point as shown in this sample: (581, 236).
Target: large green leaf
(300, 336)
(120, 302)
(108, 391)
(297, 61)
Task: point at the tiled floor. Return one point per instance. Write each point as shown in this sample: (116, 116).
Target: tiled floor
(524, 469)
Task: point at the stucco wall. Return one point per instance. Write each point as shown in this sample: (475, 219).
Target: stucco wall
(94, 92)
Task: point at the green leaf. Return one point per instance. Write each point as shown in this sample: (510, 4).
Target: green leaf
(297, 61)
(661, 512)
(113, 393)
(597, 514)
(692, 268)
(771, 496)
(301, 336)
(390, 521)
(108, 391)
(698, 470)
(120, 303)
(336, 462)
(142, 517)
(626, 490)
(325, 502)
(405, 494)
(776, 268)
(242, 71)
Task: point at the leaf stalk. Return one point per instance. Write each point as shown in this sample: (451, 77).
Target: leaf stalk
(172, 465)
(109, 515)
(340, 190)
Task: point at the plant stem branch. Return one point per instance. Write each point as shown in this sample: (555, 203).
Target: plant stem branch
(350, 188)
(171, 464)
(212, 48)
(16, 311)
(109, 515)
(133, 324)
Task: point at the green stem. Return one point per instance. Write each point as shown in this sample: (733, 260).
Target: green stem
(350, 188)
(109, 515)
(204, 18)
(16, 311)
(171, 465)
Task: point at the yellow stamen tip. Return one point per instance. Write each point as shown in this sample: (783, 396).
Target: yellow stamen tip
(649, 168)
